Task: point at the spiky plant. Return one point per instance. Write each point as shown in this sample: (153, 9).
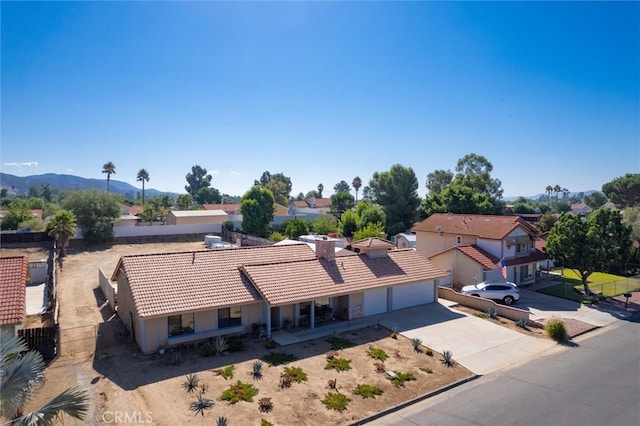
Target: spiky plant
(191, 384)
(416, 344)
(21, 373)
(222, 421)
(256, 372)
(220, 345)
(200, 404)
(492, 312)
(447, 358)
(522, 323)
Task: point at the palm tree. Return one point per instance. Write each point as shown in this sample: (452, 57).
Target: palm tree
(549, 191)
(143, 176)
(357, 183)
(21, 373)
(62, 227)
(184, 201)
(110, 169)
(557, 190)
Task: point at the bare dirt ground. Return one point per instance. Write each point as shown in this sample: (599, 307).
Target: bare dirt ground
(126, 387)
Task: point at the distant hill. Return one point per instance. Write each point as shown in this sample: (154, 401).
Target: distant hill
(537, 196)
(66, 182)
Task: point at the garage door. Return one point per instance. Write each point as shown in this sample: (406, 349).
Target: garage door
(409, 295)
(375, 301)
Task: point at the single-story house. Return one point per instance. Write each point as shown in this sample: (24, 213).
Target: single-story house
(175, 298)
(405, 240)
(196, 217)
(14, 276)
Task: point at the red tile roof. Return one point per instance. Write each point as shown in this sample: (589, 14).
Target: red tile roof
(376, 243)
(13, 284)
(291, 282)
(233, 208)
(168, 283)
(300, 203)
(483, 257)
(492, 227)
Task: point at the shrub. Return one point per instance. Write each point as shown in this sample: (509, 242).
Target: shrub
(480, 315)
(429, 352)
(176, 358)
(332, 384)
(367, 391)
(265, 405)
(338, 343)
(398, 378)
(522, 323)
(200, 404)
(394, 334)
(426, 370)
(239, 392)
(295, 374)
(555, 328)
(338, 364)
(265, 422)
(222, 421)
(416, 344)
(270, 344)
(377, 353)
(492, 312)
(336, 401)
(278, 358)
(236, 344)
(227, 372)
(220, 345)
(447, 358)
(206, 349)
(256, 371)
(191, 384)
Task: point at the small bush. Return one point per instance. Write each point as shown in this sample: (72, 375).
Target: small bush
(227, 372)
(236, 344)
(265, 422)
(416, 344)
(222, 421)
(191, 384)
(336, 401)
(399, 378)
(426, 370)
(265, 405)
(332, 384)
(220, 345)
(278, 358)
(522, 323)
(380, 367)
(295, 374)
(394, 334)
(256, 371)
(270, 344)
(377, 353)
(492, 312)
(200, 404)
(556, 329)
(480, 315)
(206, 349)
(338, 343)
(338, 364)
(176, 358)
(367, 391)
(429, 352)
(239, 392)
(447, 358)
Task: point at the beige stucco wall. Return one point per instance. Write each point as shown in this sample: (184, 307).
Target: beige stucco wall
(465, 270)
(429, 243)
(196, 220)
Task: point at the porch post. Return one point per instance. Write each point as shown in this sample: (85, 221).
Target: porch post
(268, 321)
(312, 314)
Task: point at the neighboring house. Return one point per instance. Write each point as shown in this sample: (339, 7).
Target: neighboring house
(14, 276)
(581, 209)
(128, 214)
(175, 298)
(405, 240)
(310, 207)
(196, 217)
(470, 247)
(233, 211)
(35, 213)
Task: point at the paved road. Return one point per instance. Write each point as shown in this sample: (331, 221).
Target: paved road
(596, 382)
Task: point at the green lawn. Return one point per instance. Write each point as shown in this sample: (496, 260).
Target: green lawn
(607, 285)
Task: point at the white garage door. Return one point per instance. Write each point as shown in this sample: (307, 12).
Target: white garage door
(375, 301)
(409, 295)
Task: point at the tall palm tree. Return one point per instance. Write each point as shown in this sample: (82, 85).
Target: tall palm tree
(110, 169)
(21, 373)
(143, 176)
(557, 190)
(356, 183)
(62, 227)
(549, 191)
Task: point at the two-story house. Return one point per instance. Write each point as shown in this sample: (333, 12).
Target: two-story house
(475, 248)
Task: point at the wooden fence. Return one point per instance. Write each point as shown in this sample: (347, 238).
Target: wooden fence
(43, 340)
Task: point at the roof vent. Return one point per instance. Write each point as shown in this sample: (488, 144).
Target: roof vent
(438, 228)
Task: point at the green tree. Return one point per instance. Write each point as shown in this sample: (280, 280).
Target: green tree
(197, 179)
(184, 201)
(356, 183)
(311, 194)
(595, 200)
(32, 192)
(623, 191)
(475, 172)
(599, 243)
(320, 189)
(523, 206)
(142, 176)
(110, 169)
(279, 185)
(557, 189)
(370, 213)
(95, 213)
(438, 180)
(549, 190)
(397, 192)
(294, 227)
(19, 212)
(62, 227)
(20, 376)
(348, 223)
(324, 224)
(257, 208)
(208, 196)
(371, 230)
(341, 201)
(546, 222)
(341, 186)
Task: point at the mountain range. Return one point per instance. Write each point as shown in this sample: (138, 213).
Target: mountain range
(20, 185)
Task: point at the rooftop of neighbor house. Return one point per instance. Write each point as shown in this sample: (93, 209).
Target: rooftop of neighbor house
(197, 213)
(486, 226)
(13, 283)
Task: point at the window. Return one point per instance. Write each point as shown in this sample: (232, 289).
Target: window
(523, 247)
(305, 308)
(458, 239)
(229, 317)
(180, 324)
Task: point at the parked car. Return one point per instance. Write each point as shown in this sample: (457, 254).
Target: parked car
(505, 291)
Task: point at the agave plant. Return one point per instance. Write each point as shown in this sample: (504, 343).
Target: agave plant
(200, 404)
(21, 373)
(191, 384)
(447, 358)
(492, 312)
(257, 370)
(220, 345)
(416, 344)
(222, 421)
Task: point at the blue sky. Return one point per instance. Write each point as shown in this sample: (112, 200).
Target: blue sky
(548, 92)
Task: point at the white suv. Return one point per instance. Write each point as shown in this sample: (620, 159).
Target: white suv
(504, 291)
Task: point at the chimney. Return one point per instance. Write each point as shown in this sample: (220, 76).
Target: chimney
(326, 249)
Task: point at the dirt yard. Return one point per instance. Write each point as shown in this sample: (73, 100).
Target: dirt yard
(126, 387)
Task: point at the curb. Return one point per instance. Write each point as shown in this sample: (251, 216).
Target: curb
(413, 401)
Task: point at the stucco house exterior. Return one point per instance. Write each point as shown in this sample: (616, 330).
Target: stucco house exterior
(405, 240)
(233, 210)
(175, 298)
(196, 217)
(472, 247)
(14, 276)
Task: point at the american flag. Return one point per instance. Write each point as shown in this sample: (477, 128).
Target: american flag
(503, 268)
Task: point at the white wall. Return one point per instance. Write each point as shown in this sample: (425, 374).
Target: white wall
(142, 231)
